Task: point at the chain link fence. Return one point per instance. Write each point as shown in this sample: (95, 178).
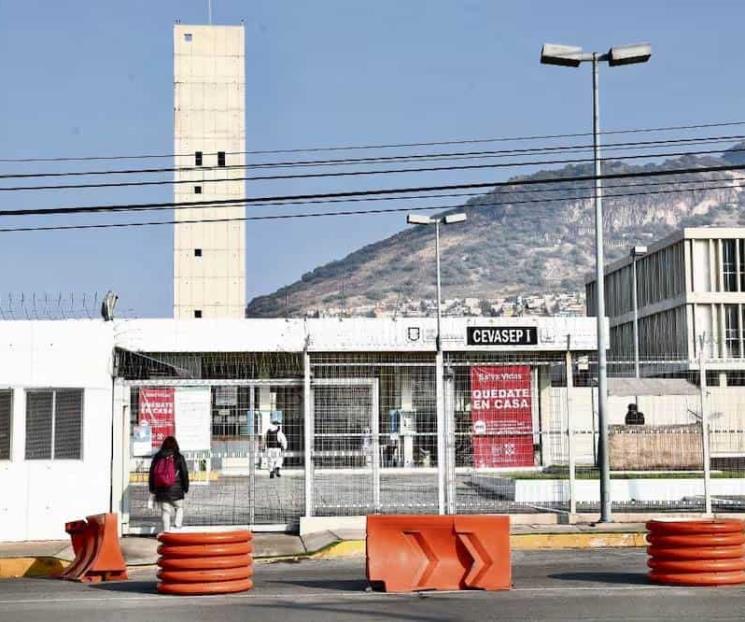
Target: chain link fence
(517, 434)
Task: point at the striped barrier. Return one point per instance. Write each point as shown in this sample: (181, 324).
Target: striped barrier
(696, 552)
(205, 562)
(407, 553)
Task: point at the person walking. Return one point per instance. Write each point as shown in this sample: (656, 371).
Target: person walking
(275, 442)
(169, 482)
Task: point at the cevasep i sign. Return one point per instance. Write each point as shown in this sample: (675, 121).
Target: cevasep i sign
(501, 335)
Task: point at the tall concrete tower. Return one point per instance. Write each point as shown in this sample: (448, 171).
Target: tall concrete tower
(209, 259)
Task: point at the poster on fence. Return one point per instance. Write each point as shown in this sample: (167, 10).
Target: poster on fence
(193, 418)
(502, 416)
(156, 412)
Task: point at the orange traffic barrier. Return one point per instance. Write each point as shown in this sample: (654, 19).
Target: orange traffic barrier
(696, 552)
(205, 562)
(98, 557)
(410, 552)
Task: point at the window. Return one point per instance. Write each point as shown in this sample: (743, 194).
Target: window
(220, 158)
(197, 252)
(197, 158)
(197, 313)
(187, 36)
(729, 266)
(197, 189)
(54, 424)
(6, 409)
(732, 330)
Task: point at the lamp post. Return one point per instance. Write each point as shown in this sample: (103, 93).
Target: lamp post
(636, 251)
(442, 427)
(572, 56)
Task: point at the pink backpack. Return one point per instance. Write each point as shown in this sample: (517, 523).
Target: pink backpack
(164, 473)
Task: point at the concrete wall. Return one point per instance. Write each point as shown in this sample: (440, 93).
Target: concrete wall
(344, 335)
(209, 116)
(37, 497)
(726, 408)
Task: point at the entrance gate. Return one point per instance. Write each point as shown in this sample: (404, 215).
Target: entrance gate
(346, 447)
(230, 483)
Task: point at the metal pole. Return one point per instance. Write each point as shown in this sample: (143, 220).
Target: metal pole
(440, 393)
(439, 294)
(209, 12)
(704, 423)
(308, 429)
(605, 502)
(636, 318)
(252, 454)
(375, 446)
(570, 431)
(449, 418)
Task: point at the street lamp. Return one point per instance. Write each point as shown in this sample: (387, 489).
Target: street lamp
(571, 56)
(636, 251)
(442, 427)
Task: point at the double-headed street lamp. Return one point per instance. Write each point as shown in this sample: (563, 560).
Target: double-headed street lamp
(442, 426)
(571, 56)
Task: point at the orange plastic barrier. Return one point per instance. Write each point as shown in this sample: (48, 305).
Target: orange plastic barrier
(697, 552)
(98, 556)
(410, 552)
(205, 562)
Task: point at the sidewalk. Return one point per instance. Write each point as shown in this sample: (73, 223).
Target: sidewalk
(46, 558)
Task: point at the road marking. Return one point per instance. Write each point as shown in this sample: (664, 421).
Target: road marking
(337, 595)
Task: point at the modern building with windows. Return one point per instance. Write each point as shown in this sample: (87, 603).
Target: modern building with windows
(689, 286)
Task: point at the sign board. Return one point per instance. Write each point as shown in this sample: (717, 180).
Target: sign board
(501, 335)
(502, 416)
(193, 418)
(142, 440)
(156, 410)
(226, 396)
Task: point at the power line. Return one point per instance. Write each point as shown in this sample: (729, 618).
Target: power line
(407, 158)
(371, 192)
(353, 212)
(429, 169)
(387, 146)
(413, 197)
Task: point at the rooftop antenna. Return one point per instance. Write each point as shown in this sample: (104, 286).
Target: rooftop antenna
(209, 12)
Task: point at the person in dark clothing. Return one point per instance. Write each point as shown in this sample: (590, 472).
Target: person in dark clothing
(634, 416)
(169, 482)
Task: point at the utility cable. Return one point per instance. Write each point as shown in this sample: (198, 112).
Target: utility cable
(358, 212)
(371, 192)
(694, 126)
(461, 155)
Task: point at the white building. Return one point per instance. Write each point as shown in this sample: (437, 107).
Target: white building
(209, 264)
(690, 284)
(356, 399)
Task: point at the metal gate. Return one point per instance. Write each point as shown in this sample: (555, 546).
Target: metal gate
(230, 483)
(346, 446)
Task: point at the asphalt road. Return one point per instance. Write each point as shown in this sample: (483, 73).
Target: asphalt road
(597, 584)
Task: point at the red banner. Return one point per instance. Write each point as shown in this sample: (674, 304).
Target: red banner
(502, 416)
(157, 411)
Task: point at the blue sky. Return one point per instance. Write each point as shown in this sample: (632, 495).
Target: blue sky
(92, 78)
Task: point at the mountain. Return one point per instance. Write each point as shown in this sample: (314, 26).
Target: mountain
(517, 240)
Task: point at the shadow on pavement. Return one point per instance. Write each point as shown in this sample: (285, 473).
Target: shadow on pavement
(626, 578)
(335, 585)
(137, 587)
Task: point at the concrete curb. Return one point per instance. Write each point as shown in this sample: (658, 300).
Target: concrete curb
(518, 542)
(16, 567)
(45, 566)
